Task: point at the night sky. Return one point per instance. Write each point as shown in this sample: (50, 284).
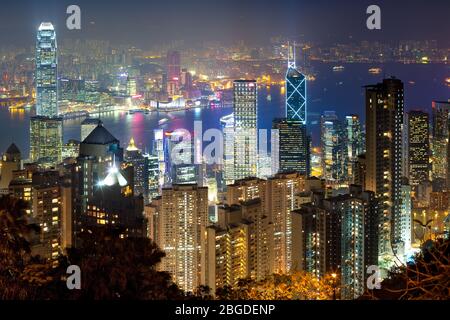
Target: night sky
(144, 22)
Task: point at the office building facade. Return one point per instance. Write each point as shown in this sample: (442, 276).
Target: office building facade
(384, 125)
(245, 128)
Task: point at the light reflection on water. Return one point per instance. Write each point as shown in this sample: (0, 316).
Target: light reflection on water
(341, 91)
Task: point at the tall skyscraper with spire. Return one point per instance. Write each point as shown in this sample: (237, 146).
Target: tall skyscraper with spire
(295, 90)
(46, 129)
(290, 150)
(46, 71)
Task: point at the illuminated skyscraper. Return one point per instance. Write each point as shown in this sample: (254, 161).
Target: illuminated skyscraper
(173, 72)
(333, 149)
(46, 71)
(384, 125)
(173, 65)
(292, 147)
(403, 249)
(319, 235)
(227, 123)
(180, 227)
(46, 129)
(178, 151)
(139, 163)
(236, 244)
(158, 147)
(359, 239)
(46, 209)
(295, 90)
(153, 176)
(419, 147)
(352, 210)
(131, 86)
(440, 118)
(280, 199)
(339, 235)
(114, 205)
(246, 191)
(98, 152)
(354, 143)
(46, 140)
(246, 125)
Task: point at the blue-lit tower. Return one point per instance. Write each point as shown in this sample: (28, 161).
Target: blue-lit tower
(290, 148)
(295, 90)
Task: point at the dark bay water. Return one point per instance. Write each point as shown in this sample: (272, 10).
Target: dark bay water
(339, 91)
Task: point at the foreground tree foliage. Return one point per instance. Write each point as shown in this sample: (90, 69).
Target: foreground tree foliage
(16, 260)
(296, 286)
(116, 268)
(426, 278)
(111, 267)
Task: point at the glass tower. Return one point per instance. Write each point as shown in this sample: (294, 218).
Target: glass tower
(440, 135)
(333, 149)
(245, 126)
(384, 127)
(46, 71)
(46, 128)
(293, 147)
(295, 91)
(354, 143)
(46, 140)
(290, 148)
(227, 124)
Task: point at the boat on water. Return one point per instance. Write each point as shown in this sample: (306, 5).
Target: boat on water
(375, 70)
(162, 121)
(133, 111)
(338, 68)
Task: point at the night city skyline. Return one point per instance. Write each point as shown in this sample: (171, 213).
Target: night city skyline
(236, 150)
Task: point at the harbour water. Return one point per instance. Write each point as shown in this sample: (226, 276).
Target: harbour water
(341, 91)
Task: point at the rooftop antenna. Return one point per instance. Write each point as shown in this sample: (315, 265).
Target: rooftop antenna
(294, 63)
(291, 51)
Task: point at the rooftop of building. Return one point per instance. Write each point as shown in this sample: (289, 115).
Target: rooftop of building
(46, 26)
(190, 186)
(12, 149)
(240, 182)
(100, 135)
